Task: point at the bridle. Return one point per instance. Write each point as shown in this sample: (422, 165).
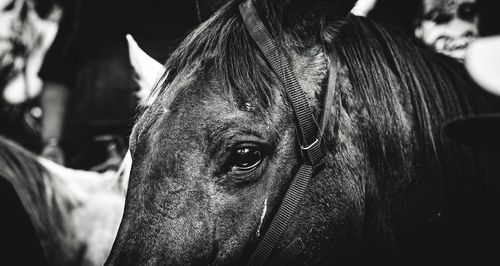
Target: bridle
(308, 134)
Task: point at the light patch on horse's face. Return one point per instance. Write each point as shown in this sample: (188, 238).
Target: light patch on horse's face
(264, 211)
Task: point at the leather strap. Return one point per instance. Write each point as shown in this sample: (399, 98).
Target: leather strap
(308, 136)
(290, 254)
(280, 221)
(307, 127)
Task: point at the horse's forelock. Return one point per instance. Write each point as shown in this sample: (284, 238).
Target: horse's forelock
(223, 45)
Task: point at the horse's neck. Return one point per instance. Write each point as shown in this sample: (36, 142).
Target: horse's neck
(77, 184)
(75, 189)
(91, 204)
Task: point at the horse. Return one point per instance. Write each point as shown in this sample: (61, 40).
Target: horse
(216, 148)
(75, 213)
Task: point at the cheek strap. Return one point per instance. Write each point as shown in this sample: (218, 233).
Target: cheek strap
(308, 135)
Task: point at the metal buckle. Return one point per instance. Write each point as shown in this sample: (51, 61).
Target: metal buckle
(313, 156)
(310, 145)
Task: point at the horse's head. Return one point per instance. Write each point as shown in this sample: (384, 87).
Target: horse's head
(215, 151)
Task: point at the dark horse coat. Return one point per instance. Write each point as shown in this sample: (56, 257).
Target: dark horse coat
(214, 153)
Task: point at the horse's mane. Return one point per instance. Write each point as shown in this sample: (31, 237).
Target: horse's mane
(404, 86)
(408, 94)
(37, 190)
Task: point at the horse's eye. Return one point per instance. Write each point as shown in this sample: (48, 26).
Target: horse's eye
(244, 159)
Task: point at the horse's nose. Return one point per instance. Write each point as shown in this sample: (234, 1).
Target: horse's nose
(181, 233)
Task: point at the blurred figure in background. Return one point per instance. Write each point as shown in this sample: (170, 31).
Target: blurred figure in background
(448, 26)
(27, 29)
(89, 96)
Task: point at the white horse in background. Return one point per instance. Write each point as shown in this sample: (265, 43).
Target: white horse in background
(75, 213)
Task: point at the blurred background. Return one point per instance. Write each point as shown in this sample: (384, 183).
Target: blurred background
(68, 89)
(70, 94)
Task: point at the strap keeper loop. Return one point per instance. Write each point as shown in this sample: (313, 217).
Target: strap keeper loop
(313, 156)
(316, 142)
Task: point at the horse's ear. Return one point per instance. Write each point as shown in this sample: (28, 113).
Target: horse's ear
(148, 70)
(363, 7)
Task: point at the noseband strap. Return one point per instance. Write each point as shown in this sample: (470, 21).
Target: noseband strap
(307, 132)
